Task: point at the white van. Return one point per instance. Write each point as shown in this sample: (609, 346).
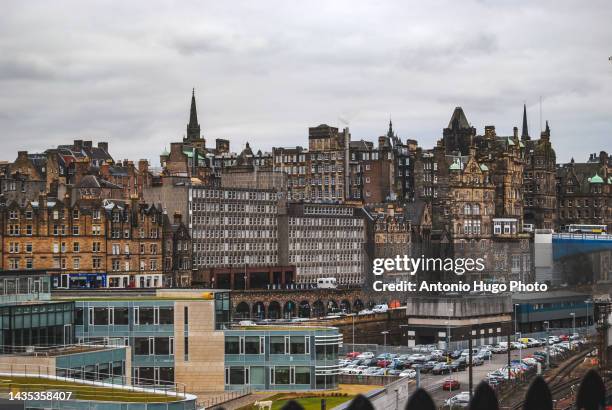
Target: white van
(327, 283)
(380, 308)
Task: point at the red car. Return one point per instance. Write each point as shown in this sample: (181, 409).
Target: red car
(451, 384)
(352, 355)
(384, 363)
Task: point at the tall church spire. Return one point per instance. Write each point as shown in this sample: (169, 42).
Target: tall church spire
(390, 132)
(525, 132)
(193, 128)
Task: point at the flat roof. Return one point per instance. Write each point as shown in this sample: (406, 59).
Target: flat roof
(551, 294)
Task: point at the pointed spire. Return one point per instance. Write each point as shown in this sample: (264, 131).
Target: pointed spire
(390, 132)
(458, 120)
(525, 132)
(193, 128)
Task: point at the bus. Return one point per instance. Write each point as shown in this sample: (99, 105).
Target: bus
(327, 283)
(578, 228)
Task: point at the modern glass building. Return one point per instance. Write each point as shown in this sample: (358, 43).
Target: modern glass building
(173, 335)
(282, 357)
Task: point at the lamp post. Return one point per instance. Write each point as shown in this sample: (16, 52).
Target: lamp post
(520, 345)
(516, 306)
(407, 335)
(547, 346)
(573, 315)
(353, 349)
(384, 333)
(586, 330)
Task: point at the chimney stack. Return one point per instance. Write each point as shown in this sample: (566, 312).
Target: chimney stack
(178, 218)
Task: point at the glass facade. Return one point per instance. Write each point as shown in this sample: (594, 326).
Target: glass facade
(45, 324)
(223, 309)
(146, 326)
(273, 358)
(24, 288)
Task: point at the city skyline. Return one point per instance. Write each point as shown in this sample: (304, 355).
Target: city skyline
(265, 77)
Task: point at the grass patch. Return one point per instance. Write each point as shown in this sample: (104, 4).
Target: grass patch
(308, 400)
(314, 403)
(80, 391)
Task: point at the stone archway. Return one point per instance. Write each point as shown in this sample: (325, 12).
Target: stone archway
(345, 306)
(274, 310)
(243, 311)
(332, 305)
(304, 309)
(318, 309)
(259, 310)
(358, 305)
(289, 310)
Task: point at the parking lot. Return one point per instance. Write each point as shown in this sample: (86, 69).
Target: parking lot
(492, 369)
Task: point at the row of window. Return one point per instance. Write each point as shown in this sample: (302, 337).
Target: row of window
(279, 375)
(277, 345)
(114, 315)
(100, 371)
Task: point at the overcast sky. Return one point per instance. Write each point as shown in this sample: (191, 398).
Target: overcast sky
(264, 71)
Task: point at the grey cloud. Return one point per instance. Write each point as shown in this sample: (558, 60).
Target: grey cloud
(266, 71)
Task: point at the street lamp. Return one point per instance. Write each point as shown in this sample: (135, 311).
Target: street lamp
(520, 345)
(573, 315)
(384, 333)
(586, 331)
(407, 335)
(516, 306)
(547, 345)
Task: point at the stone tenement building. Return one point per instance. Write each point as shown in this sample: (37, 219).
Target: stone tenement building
(334, 168)
(88, 244)
(539, 183)
(177, 251)
(585, 192)
(320, 173)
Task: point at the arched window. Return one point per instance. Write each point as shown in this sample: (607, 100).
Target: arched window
(467, 210)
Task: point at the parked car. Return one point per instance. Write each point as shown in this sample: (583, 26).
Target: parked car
(484, 354)
(457, 365)
(451, 384)
(411, 373)
(383, 363)
(352, 355)
(365, 355)
(477, 361)
(460, 400)
(428, 366)
(441, 368)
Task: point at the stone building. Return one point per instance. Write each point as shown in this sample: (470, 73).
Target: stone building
(585, 192)
(389, 234)
(86, 244)
(322, 172)
(539, 179)
(177, 251)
